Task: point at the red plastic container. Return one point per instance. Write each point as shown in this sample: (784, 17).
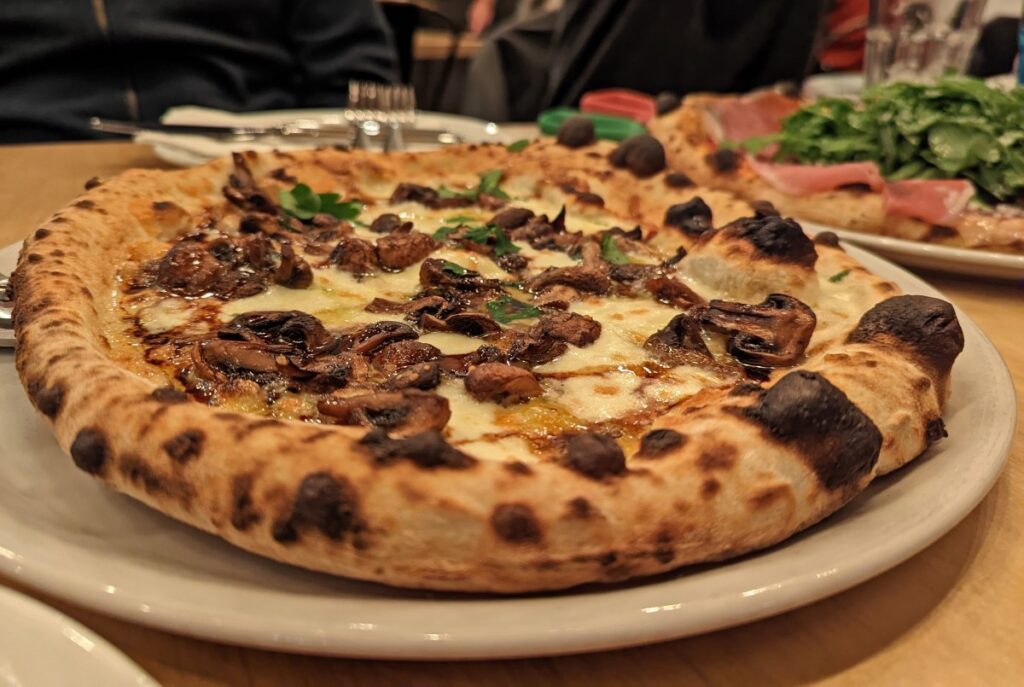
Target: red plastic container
(620, 102)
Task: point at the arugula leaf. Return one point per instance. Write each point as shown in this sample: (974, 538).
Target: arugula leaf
(610, 250)
(456, 269)
(505, 309)
(443, 232)
(957, 128)
(502, 242)
(838, 276)
(459, 219)
(302, 202)
(517, 146)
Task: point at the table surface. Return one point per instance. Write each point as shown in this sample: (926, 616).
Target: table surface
(952, 615)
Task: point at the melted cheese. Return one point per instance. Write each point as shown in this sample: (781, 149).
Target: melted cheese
(165, 315)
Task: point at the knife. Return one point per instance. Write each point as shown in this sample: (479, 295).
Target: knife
(299, 129)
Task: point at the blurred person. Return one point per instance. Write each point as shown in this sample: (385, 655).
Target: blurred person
(482, 14)
(646, 45)
(63, 61)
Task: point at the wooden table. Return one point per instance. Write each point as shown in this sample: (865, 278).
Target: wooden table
(952, 615)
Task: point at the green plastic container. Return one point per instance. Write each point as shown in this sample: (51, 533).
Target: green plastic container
(605, 126)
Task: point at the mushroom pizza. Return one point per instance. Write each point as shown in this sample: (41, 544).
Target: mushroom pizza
(480, 369)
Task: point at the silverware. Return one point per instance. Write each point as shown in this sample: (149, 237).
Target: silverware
(374, 108)
(314, 130)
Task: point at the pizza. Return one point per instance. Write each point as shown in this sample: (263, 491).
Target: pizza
(479, 368)
(850, 195)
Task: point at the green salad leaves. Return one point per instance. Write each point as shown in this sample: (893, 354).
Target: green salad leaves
(302, 202)
(956, 128)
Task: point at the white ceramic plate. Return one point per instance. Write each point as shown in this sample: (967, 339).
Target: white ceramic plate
(974, 263)
(64, 533)
(187, 150)
(40, 647)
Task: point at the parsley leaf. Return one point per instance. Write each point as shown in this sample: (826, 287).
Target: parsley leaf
(838, 276)
(456, 269)
(502, 243)
(517, 146)
(610, 250)
(459, 219)
(442, 232)
(302, 202)
(488, 184)
(505, 309)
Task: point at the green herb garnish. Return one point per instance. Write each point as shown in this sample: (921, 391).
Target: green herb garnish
(459, 219)
(956, 128)
(302, 202)
(502, 243)
(488, 184)
(610, 250)
(456, 269)
(442, 233)
(517, 146)
(505, 309)
(838, 276)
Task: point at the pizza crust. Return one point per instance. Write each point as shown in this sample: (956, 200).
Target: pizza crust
(740, 469)
(687, 146)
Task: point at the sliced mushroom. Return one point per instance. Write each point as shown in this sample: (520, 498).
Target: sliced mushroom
(631, 273)
(502, 383)
(423, 376)
(293, 272)
(233, 357)
(386, 223)
(512, 218)
(290, 331)
(460, 365)
(327, 373)
(771, 334)
(374, 337)
(406, 192)
(673, 292)
(415, 307)
(433, 273)
(403, 412)
(590, 279)
(399, 354)
(397, 250)
(354, 255)
(472, 324)
(579, 330)
(534, 350)
(189, 269)
(242, 189)
(679, 343)
(558, 297)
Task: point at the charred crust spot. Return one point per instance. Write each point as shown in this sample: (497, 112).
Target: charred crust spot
(594, 455)
(826, 238)
(325, 502)
(92, 183)
(84, 204)
(643, 155)
(243, 512)
(693, 217)
(766, 497)
(678, 180)
(709, 488)
(41, 233)
(839, 443)
(90, 450)
(940, 232)
(516, 523)
(607, 559)
(161, 205)
(723, 160)
(718, 457)
(283, 531)
(185, 446)
(518, 468)
(141, 474)
(666, 102)
(658, 442)
(49, 399)
(34, 257)
(426, 449)
(664, 555)
(579, 507)
(168, 395)
(576, 132)
(764, 208)
(777, 238)
(934, 430)
(928, 326)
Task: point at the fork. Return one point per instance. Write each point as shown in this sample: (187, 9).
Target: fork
(6, 325)
(371, 105)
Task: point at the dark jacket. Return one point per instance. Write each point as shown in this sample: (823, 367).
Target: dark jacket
(62, 61)
(646, 45)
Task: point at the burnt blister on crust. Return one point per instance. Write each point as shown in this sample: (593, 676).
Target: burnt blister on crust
(426, 449)
(928, 326)
(516, 523)
(934, 430)
(185, 446)
(323, 501)
(90, 450)
(643, 155)
(693, 217)
(658, 442)
(832, 435)
(594, 455)
(775, 237)
(576, 132)
(47, 399)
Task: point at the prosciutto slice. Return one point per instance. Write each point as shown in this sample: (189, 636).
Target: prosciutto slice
(938, 201)
(758, 114)
(801, 180)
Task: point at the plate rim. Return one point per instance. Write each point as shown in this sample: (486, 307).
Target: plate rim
(796, 590)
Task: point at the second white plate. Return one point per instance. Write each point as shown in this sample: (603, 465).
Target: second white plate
(64, 533)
